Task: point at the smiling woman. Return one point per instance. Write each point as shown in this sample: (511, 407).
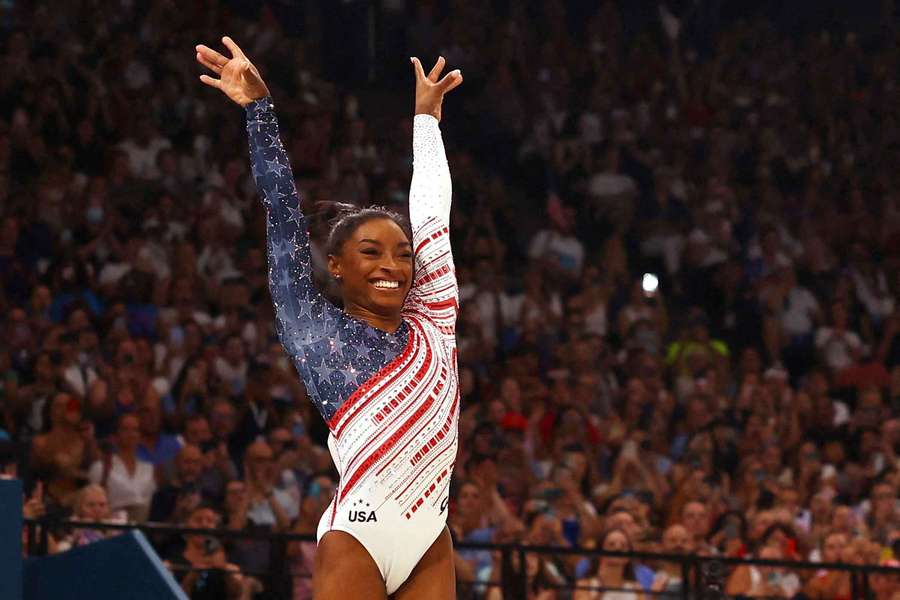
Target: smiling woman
(382, 371)
(370, 255)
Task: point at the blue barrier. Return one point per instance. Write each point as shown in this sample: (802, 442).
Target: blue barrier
(11, 539)
(125, 566)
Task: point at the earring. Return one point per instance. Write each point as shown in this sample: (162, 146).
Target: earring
(337, 277)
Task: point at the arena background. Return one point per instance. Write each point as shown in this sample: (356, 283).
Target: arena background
(677, 234)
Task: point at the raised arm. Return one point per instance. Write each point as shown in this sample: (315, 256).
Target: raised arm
(297, 302)
(429, 198)
(287, 234)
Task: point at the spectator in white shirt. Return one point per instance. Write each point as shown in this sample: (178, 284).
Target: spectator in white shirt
(77, 371)
(839, 347)
(142, 149)
(129, 481)
(871, 287)
(612, 192)
(556, 248)
(232, 366)
(800, 310)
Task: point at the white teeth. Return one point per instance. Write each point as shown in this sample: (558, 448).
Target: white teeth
(387, 285)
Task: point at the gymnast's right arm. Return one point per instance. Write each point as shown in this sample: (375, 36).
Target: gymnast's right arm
(294, 295)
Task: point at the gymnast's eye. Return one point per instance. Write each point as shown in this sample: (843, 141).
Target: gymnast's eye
(370, 251)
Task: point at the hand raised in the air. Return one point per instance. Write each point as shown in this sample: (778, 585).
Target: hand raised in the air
(238, 78)
(430, 89)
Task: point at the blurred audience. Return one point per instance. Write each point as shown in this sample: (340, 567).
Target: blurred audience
(678, 260)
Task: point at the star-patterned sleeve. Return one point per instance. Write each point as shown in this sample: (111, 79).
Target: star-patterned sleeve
(298, 304)
(434, 287)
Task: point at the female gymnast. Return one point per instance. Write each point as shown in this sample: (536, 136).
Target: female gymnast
(382, 371)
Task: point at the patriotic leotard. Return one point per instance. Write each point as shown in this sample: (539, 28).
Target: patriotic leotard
(391, 400)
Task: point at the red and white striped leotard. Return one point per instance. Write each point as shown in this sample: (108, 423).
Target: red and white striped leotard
(394, 440)
(390, 399)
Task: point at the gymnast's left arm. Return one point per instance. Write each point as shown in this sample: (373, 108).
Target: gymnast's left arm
(430, 190)
(430, 193)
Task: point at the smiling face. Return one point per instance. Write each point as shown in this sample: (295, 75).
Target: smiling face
(374, 268)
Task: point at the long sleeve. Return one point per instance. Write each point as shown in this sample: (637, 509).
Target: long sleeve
(298, 304)
(434, 289)
(334, 353)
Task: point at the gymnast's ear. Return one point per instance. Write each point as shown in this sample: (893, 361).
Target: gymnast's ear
(334, 267)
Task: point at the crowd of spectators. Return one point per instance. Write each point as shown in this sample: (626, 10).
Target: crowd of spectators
(741, 399)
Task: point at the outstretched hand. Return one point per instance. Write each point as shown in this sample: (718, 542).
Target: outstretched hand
(430, 89)
(238, 78)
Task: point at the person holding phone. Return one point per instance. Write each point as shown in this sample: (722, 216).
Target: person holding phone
(668, 583)
(173, 502)
(201, 565)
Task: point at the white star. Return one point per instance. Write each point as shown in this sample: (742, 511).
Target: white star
(282, 248)
(361, 349)
(349, 377)
(323, 372)
(276, 166)
(295, 214)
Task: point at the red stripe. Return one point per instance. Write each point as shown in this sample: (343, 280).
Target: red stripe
(436, 456)
(370, 461)
(448, 303)
(434, 394)
(430, 235)
(397, 416)
(440, 323)
(372, 382)
(387, 445)
(385, 426)
(413, 480)
(423, 244)
(434, 274)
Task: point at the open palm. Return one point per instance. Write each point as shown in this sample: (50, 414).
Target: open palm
(238, 78)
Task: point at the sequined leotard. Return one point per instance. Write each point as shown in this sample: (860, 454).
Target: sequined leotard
(390, 399)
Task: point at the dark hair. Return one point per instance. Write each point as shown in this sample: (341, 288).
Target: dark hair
(457, 485)
(787, 530)
(125, 415)
(722, 522)
(628, 573)
(348, 217)
(203, 505)
(476, 460)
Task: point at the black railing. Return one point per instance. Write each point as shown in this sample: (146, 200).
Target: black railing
(702, 577)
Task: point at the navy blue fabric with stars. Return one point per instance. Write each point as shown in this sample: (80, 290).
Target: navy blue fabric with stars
(333, 352)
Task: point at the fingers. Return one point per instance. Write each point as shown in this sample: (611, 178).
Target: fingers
(417, 67)
(435, 73)
(450, 81)
(216, 83)
(209, 65)
(235, 50)
(211, 55)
